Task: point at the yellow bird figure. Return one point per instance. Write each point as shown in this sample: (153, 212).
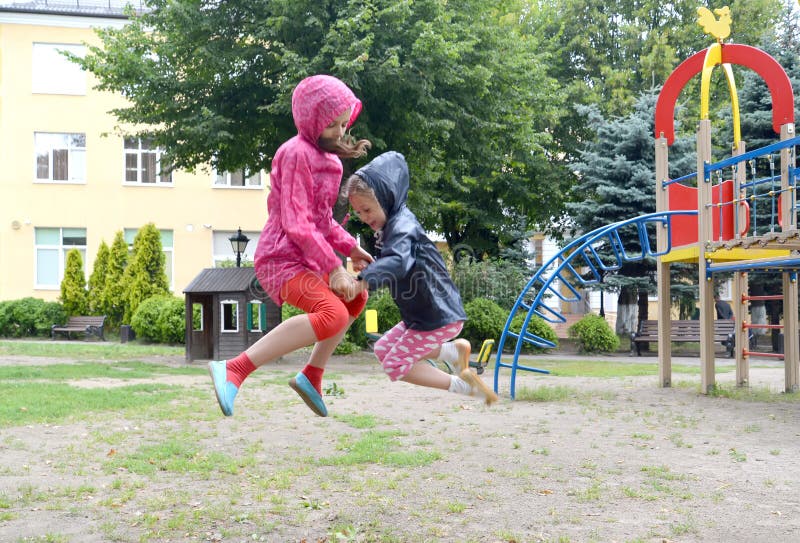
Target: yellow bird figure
(721, 28)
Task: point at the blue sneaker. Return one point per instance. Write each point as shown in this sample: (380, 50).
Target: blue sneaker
(306, 390)
(224, 389)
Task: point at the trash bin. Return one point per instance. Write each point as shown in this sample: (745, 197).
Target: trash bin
(126, 333)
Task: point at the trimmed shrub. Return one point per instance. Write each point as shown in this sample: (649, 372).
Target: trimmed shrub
(29, 317)
(73, 286)
(145, 276)
(594, 335)
(160, 319)
(485, 320)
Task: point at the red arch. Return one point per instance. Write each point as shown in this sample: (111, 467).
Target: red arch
(780, 88)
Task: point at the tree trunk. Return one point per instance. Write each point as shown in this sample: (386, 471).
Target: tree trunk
(627, 312)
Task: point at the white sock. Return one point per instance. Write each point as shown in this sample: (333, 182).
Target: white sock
(459, 386)
(448, 352)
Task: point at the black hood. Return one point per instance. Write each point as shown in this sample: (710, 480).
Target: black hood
(387, 175)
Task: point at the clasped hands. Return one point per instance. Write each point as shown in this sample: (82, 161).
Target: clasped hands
(344, 284)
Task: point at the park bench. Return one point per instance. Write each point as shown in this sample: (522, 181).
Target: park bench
(81, 325)
(683, 331)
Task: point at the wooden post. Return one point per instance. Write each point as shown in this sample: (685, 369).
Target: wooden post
(662, 268)
(790, 327)
(704, 234)
(740, 313)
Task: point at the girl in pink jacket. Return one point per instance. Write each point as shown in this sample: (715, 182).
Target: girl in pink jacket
(296, 260)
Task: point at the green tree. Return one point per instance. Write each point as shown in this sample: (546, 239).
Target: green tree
(145, 277)
(455, 86)
(607, 53)
(617, 182)
(73, 286)
(97, 280)
(114, 298)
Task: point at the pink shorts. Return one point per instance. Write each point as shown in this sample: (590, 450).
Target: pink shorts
(400, 348)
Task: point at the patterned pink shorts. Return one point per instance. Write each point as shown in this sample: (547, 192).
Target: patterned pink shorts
(400, 348)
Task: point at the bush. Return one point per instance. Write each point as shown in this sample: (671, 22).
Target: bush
(536, 326)
(29, 317)
(594, 335)
(485, 320)
(160, 319)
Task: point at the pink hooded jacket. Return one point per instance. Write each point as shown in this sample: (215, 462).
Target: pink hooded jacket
(301, 233)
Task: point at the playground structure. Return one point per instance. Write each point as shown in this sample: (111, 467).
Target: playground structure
(718, 225)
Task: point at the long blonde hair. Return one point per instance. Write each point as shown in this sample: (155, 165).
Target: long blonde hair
(346, 147)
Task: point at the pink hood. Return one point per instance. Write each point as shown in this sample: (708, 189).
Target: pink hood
(317, 101)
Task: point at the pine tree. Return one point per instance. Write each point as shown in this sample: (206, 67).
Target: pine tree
(73, 286)
(616, 182)
(97, 280)
(114, 299)
(145, 276)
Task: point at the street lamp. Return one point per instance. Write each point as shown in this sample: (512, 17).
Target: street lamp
(238, 244)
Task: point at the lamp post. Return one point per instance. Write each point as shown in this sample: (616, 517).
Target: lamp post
(238, 244)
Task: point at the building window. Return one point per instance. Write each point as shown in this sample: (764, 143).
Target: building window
(60, 157)
(224, 256)
(237, 179)
(52, 246)
(143, 163)
(166, 247)
(229, 315)
(256, 316)
(53, 73)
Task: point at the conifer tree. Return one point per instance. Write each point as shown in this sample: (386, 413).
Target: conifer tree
(97, 280)
(145, 276)
(114, 299)
(617, 182)
(73, 286)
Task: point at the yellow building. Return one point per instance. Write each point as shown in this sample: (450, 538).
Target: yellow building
(69, 182)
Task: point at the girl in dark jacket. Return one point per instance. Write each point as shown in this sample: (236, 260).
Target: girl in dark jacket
(411, 267)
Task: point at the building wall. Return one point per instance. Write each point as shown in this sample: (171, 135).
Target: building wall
(191, 208)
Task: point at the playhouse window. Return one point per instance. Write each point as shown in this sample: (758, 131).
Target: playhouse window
(256, 316)
(230, 315)
(197, 317)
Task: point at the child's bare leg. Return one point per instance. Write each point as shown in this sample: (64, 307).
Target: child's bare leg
(324, 349)
(288, 336)
(423, 374)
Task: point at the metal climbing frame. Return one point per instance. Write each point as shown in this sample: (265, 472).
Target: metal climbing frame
(559, 278)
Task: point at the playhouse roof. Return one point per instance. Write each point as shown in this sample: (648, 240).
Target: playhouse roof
(212, 280)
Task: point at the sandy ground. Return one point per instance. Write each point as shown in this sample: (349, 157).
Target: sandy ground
(616, 460)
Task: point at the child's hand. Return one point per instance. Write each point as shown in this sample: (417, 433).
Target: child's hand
(342, 283)
(360, 258)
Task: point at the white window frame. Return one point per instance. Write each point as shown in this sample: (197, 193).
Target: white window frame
(222, 304)
(227, 254)
(47, 143)
(141, 149)
(53, 73)
(223, 180)
(62, 256)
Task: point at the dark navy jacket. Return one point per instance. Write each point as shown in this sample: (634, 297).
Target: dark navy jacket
(409, 263)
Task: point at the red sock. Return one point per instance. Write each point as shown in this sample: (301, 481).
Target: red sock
(314, 375)
(239, 368)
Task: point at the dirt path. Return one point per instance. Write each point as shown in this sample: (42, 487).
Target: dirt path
(611, 460)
